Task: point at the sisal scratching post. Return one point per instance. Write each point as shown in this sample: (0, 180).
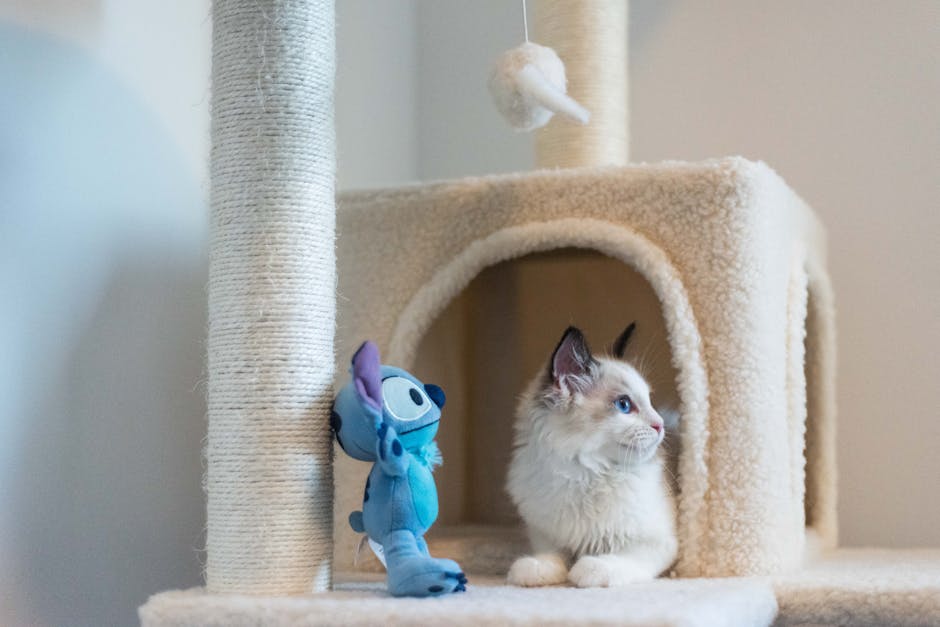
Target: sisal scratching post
(271, 298)
(590, 36)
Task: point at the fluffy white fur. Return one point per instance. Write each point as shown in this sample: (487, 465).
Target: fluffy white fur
(586, 477)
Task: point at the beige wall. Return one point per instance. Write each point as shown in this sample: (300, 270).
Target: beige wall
(376, 93)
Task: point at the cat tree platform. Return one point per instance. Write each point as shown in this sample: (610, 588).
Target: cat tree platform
(863, 587)
(859, 587)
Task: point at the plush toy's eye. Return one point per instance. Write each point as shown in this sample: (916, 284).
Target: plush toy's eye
(404, 399)
(623, 404)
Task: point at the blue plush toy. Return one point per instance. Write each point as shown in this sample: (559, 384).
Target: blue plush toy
(385, 415)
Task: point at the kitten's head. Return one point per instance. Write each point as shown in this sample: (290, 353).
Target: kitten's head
(593, 408)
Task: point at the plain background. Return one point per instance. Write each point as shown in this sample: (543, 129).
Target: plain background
(103, 162)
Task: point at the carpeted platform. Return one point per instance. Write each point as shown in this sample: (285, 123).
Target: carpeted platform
(665, 602)
(858, 587)
(864, 587)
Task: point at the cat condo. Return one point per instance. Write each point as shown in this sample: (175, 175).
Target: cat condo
(720, 262)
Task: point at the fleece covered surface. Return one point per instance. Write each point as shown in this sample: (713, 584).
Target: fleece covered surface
(736, 261)
(863, 588)
(857, 587)
(663, 603)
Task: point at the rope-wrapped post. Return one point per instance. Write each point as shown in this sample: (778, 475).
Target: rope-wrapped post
(590, 36)
(272, 301)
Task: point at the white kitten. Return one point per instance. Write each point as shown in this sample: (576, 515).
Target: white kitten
(586, 476)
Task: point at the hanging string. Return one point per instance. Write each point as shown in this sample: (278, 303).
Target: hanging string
(525, 22)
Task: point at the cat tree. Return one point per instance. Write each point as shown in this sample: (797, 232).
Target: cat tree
(737, 265)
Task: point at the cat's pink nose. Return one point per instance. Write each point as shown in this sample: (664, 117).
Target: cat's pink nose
(657, 426)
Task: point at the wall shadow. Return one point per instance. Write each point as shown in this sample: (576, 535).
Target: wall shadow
(110, 504)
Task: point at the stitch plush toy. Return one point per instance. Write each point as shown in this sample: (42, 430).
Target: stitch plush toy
(385, 415)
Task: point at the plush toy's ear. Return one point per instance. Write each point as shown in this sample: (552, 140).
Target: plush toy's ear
(620, 346)
(572, 364)
(436, 394)
(366, 371)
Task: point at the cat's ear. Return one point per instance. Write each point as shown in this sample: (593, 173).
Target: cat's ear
(620, 346)
(572, 365)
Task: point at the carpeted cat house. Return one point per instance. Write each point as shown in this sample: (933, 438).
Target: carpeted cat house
(735, 261)
(468, 283)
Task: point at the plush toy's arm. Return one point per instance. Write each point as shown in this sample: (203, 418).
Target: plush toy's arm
(393, 460)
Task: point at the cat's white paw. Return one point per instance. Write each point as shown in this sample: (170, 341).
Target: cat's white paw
(607, 571)
(544, 569)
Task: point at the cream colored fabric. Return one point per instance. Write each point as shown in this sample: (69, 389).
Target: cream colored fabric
(662, 603)
(719, 242)
(857, 587)
(864, 588)
(272, 302)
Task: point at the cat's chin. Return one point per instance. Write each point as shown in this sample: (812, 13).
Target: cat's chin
(631, 454)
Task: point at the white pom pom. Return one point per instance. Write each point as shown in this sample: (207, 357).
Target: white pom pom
(528, 86)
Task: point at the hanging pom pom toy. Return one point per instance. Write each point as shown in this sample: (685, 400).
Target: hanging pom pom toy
(528, 85)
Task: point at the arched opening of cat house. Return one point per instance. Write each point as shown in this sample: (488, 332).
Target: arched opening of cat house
(486, 346)
(487, 322)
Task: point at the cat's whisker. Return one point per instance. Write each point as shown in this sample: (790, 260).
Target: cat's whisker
(652, 360)
(644, 360)
(625, 454)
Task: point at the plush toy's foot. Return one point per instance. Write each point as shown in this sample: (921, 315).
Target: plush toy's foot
(425, 576)
(411, 572)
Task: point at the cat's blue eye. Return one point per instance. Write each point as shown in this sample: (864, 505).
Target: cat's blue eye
(623, 404)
